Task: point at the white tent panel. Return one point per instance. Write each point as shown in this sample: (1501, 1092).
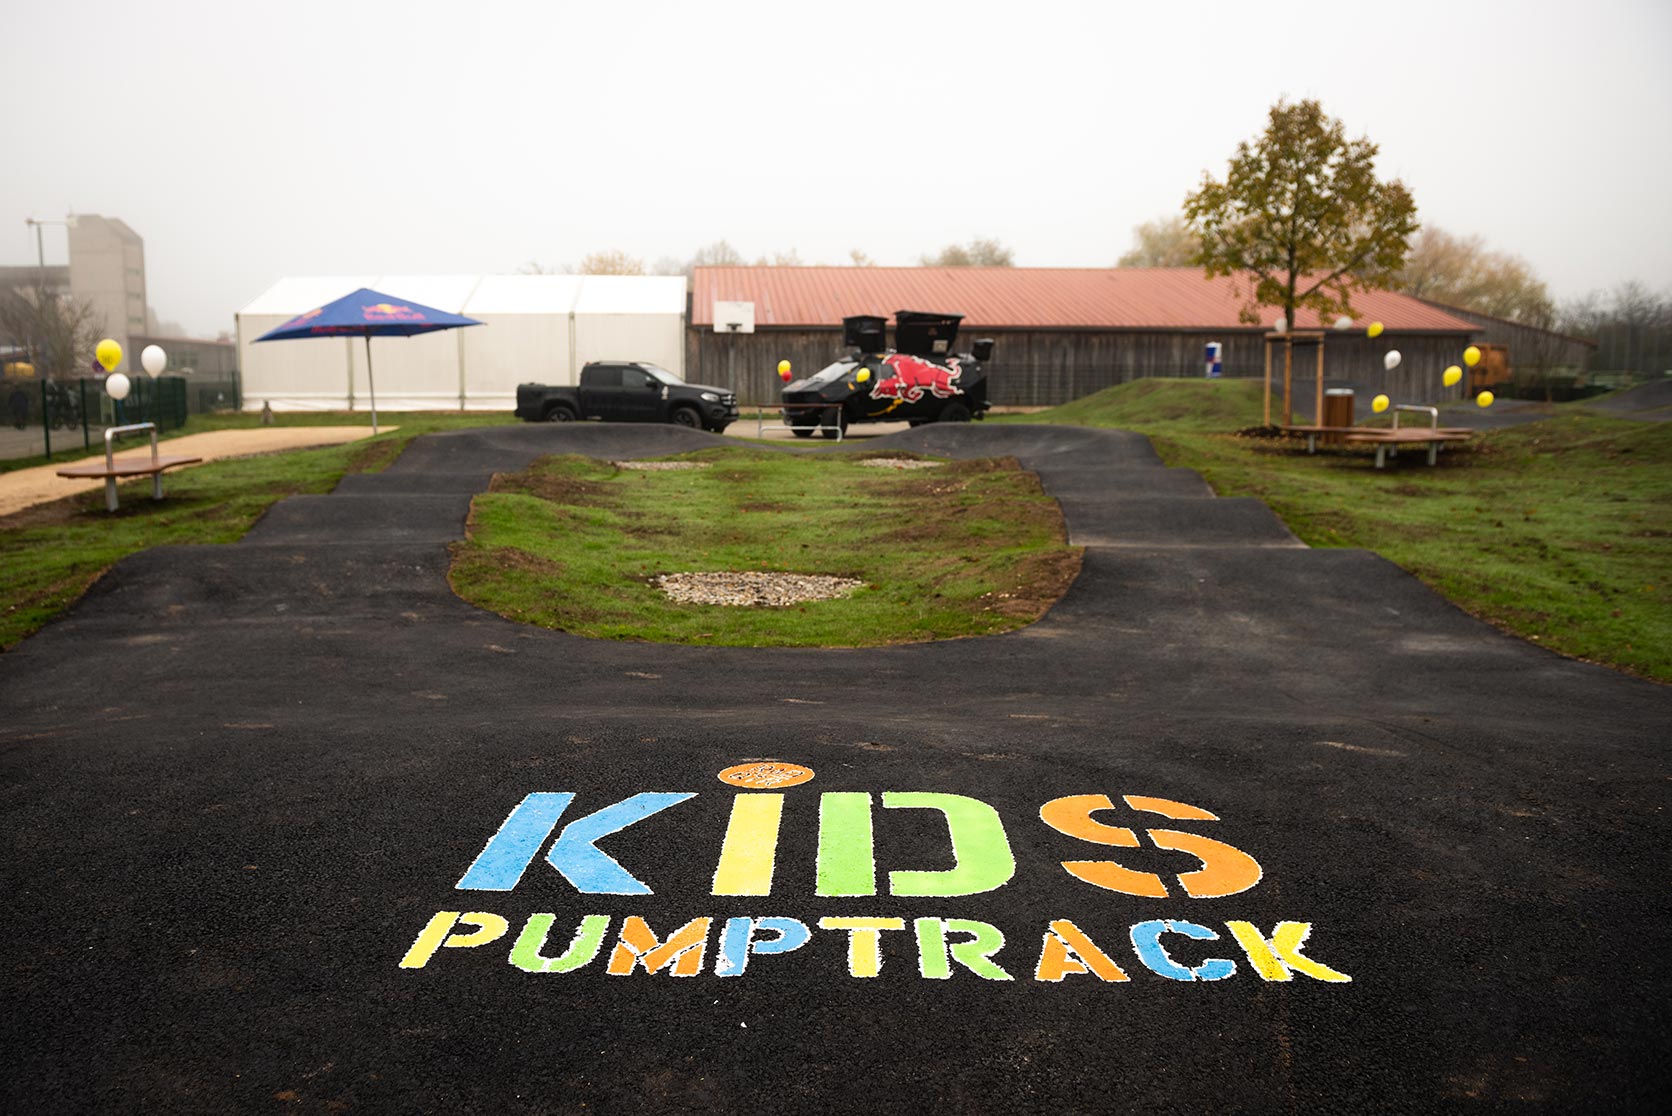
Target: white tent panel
(524, 294)
(524, 336)
(658, 338)
(419, 373)
(629, 317)
(535, 327)
(631, 294)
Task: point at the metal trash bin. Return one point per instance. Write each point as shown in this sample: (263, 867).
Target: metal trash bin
(1338, 411)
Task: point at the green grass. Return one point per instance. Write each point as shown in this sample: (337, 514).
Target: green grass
(964, 549)
(51, 553)
(1556, 531)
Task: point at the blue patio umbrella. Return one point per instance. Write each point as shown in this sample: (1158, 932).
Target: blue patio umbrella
(367, 313)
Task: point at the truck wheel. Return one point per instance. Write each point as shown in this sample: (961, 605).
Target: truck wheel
(560, 413)
(834, 425)
(954, 412)
(802, 431)
(685, 416)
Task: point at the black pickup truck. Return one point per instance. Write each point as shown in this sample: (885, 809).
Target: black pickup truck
(629, 391)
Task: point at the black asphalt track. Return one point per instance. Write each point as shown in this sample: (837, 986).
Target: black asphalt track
(239, 781)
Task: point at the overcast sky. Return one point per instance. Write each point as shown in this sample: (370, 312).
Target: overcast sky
(248, 141)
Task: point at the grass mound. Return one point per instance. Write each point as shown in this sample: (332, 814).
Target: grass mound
(971, 548)
(1164, 404)
(1556, 531)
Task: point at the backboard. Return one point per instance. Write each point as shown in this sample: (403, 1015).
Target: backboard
(734, 317)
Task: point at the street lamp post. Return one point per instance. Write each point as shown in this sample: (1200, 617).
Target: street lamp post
(40, 244)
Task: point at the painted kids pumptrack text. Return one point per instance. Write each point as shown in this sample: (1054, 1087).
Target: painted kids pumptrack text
(725, 945)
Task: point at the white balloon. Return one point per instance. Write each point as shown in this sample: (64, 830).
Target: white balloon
(117, 385)
(153, 360)
(1280, 326)
(1391, 361)
(1343, 322)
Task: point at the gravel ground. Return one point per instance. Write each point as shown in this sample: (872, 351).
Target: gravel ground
(898, 463)
(751, 588)
(652, 466)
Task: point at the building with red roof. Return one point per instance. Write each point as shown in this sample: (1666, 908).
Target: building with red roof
(1061, 333)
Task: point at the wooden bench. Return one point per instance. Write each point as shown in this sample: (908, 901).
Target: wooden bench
(1387, 440)
(1383, 440)
(111, 467)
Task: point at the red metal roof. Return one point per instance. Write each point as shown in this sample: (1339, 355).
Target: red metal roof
(1027, 298)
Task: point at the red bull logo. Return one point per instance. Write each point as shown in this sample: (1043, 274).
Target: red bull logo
(304, 319)
(909, 378)
(389, 312)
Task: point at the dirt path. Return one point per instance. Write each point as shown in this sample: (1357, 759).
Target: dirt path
(28, 487)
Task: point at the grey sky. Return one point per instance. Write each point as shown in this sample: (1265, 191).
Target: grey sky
(249, 141)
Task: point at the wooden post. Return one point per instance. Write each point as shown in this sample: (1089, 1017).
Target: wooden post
(1268, 381)
(1288, 379)
(1318, 411)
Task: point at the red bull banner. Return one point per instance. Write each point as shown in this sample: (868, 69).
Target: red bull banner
(907, 379)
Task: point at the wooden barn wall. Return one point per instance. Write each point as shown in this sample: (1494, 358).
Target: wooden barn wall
(1530, 348)
(1041, 368)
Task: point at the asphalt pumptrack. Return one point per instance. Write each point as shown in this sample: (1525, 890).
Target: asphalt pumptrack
(1239, 825)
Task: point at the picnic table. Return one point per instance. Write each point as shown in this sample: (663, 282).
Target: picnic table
(1387, 440)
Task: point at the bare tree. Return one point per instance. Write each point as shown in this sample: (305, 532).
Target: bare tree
(1163, 242)
(535, 267)
(856, 258)
(1462, 271)
(611, 262)
(792, 258)
(58, 331)
(717, 254)
(1632, 327)
(979, 252)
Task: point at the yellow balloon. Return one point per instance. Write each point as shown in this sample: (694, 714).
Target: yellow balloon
(1471, 356)
(783, 366)
(1485, 398)
(1375, 330)
(1453, 374)
(109, 354)
(862, 375)
(1379, 404)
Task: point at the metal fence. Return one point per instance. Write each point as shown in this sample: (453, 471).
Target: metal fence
(57, 418)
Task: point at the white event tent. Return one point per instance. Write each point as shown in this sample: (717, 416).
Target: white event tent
(539, 328)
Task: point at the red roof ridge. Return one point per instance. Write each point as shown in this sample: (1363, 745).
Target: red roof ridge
(1112, 298)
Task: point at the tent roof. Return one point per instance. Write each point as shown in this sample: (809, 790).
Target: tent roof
(486, 294)
(525, 294)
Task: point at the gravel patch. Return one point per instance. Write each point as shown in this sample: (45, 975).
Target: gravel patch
(753, 588)
(652, 466)
(897, 463)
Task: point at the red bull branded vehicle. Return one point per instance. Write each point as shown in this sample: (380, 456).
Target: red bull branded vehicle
(922, 378)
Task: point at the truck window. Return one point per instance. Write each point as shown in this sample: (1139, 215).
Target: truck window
(603, 377)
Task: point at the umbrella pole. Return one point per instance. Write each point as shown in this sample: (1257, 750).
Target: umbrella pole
(370, 385)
